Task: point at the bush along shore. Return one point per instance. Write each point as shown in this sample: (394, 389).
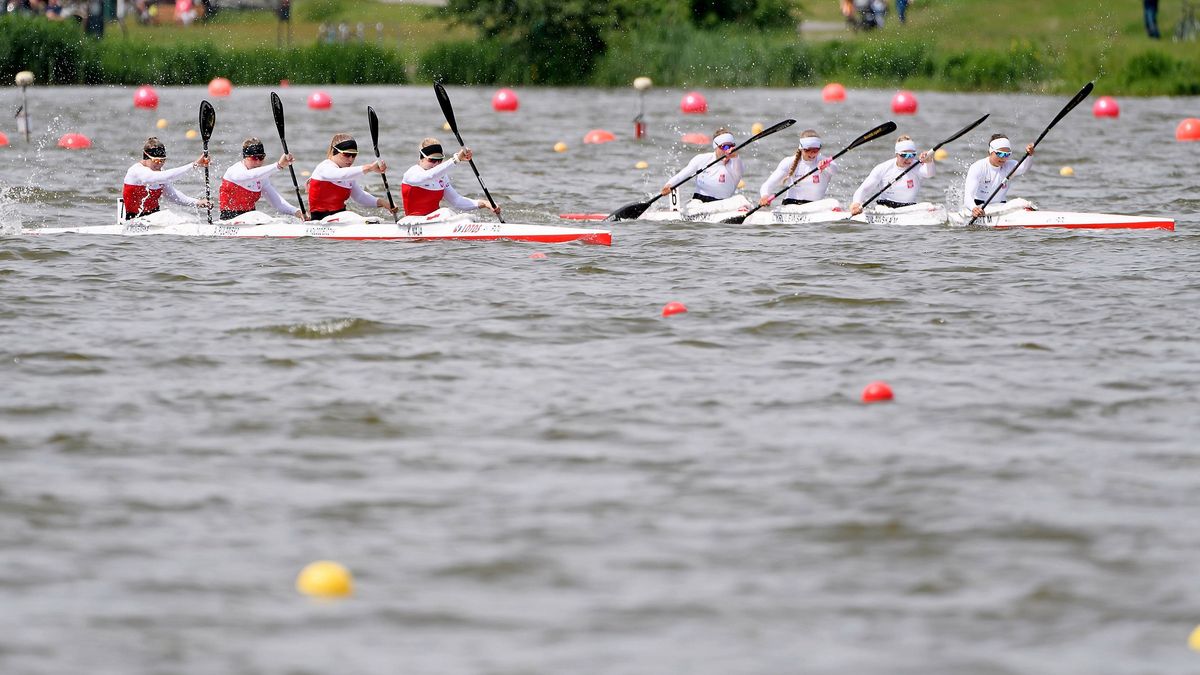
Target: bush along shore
(680, 56)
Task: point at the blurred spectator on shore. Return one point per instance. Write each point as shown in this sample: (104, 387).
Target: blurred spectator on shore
(185, 12)
(1150, 12)
(901, 8)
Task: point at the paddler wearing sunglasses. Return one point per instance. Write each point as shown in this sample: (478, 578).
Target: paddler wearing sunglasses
(427, 182)
(335, 180)
(147, 182)
(903, 192)
(248, 180)
(987, 173)
(718, 181)
(807, 158)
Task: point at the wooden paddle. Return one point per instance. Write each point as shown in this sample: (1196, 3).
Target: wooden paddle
(208, 120)
(373, 122)
(636, 209)
(1075, 100)
(964, 130)
(277, 111)
(881, 130)
(448, 111)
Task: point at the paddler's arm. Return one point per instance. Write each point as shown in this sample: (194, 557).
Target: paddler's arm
(279, 202)
(871, 184)
(178, 197)
(1028, 160)
(693, 166)
(767, 191)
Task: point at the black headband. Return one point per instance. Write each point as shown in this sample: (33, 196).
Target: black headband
(345, 146)
(430, 150)
(155, 152)
(254, 150)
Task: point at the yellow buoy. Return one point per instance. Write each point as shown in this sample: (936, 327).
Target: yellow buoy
(741, 184)
(1066, 171)
(161, 124)
(445, 126)
(560, 147)
(306, 173)
(642, 165)
(941, 155)
(325, 579)
(1194, 639)
(192, 134)
(756, 128)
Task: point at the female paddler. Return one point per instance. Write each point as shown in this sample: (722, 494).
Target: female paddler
(904, 192)
(335, 180)
(987, 173)
(807, 158)
(718, 181)
(427, 182)
(146, 182)
(248, 180)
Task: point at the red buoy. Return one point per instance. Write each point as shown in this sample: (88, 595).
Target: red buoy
(693, 103)
(319, 100)
(537, 255)
(74, 141)
(833, 93)
(904, 103)
(145, 97)
(505, 100)
(1188, 130)
(1106, 106)
(219, 87)
(876, 392)
(672, 308)
(696, 138)
(3, 139)
(598, 136)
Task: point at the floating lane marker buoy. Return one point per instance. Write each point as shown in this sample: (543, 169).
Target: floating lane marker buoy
(325, 579)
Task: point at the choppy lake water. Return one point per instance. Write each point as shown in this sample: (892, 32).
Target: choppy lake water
(530, 471)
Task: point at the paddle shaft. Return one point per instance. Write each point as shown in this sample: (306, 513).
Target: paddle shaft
(208, 119)
(277, 112)
(882, 129)
(448, 110)
(373, 122)
(1076, 100)
(916, 164)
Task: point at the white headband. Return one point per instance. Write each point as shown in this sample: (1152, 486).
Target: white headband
(810, 143)
(998, 144)
(905, 146)
(723, 139)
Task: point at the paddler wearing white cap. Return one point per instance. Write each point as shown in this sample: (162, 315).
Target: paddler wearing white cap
(427, 182)
(904, 192)
(807, 158)
(718, 181)
(987, 173)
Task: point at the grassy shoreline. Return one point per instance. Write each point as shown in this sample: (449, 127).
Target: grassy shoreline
(1026, 45)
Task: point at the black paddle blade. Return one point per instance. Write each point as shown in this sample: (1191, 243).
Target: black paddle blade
(373, 122)
(736, 220)
(447, 109)
(629, 211)
(277, 111)
(881, 130)
(208, 119)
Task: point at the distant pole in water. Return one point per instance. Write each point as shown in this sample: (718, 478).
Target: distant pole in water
(23, 80)
(639, 123)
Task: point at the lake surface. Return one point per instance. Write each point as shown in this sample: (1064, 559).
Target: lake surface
(530, 471)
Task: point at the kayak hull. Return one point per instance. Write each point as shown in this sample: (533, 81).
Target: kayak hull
(696, 211)
(919, 214)
(1020, 214)
(821, 211)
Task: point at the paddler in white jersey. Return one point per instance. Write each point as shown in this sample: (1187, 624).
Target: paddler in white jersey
(807, 158)
(335, 180)
(427, 183)
(146, 182)
(987, 173)
(903, 193)
(718, 181)
(248, 180)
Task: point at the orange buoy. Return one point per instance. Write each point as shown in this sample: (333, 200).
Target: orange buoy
(693, 103)
(598, 136)
(145, 97)
(285, 83)
(505, 100)
(672, 308)
(876, 392)
(904, 103)
(696, 139)
(1188, 130)
(1106, 106)
(73, 141)
(3, 139)
(219, 86)
(833, 93)
(319, 100)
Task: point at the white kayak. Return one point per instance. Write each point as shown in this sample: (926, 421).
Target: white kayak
(346, 225)
(1020, 213)
(921, 213)
(696, 211)
(821, 211)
